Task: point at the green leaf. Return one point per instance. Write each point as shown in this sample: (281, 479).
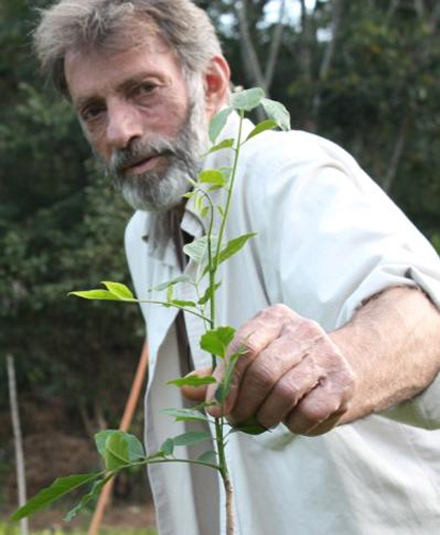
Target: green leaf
(197, 249)
(168, 447)
(262, 127)
(251, 427)
(226, 172)
(186, 415)
(225, 387)
(208, 294)
(220, 394)
(99, 295)
(193, 380)
(277, 112)
(217, 341)
(191, 437)
(218, 122)
(247, 100)
(101, 439)
(165, 285)
(119, 290)
(116, 452)
(212, 176)
(225, 144)
(208, 457)
(134, 445)
(96, 489)
(234, 246)
(59, 487)
(205, 211)
(199, 200)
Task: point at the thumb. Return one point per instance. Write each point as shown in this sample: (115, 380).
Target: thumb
(197, 393)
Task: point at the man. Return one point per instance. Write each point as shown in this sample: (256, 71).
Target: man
(341, 289)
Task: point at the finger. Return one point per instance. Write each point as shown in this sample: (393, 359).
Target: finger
(197, 393)
(288, 392)
(326, 425)
(323, 403)
(263, 381)
(253, 337)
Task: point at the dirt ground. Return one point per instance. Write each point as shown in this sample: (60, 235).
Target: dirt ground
(54, 449)
(115, 517)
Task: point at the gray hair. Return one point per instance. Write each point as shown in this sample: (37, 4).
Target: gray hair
(73, 25)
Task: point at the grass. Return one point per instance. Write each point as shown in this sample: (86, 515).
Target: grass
(14, 529)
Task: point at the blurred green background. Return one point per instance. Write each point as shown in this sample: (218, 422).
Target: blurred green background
(363, 73)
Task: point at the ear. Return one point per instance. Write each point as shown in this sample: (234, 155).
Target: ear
(216, 82)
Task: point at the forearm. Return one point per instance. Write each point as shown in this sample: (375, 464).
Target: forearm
(393, 347)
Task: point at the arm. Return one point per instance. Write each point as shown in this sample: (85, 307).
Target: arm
(293, 372)
(393, 347)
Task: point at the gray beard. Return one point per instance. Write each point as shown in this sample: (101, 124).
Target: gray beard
(158, 191)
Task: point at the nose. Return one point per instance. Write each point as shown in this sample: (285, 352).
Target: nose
(123, 124)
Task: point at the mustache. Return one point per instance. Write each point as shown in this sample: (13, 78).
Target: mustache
(139, 150)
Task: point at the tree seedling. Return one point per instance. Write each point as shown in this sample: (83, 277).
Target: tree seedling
(121, 450)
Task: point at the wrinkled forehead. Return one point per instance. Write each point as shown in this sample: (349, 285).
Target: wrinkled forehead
(120, 36)
(127, 33)
(108, 62)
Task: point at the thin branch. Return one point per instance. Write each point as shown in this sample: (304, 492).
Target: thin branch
(274, 48)
(249, 49)
(435, 17)
(305, 52)
(330, 49)
(328, 56)
(249, 54)
(397, 154)
(394, 4)
(419, 6)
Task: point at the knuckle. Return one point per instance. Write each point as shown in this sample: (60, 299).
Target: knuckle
(287, 392)
(249, 338)
(261, 376)
(280, 309)
(320, 410)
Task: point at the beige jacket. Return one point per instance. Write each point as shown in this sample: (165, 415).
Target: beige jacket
(328, 238)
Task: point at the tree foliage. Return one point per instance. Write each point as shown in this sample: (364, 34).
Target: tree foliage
(61, 226)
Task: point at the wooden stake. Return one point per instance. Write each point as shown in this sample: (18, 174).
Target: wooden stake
(124, 426)
(18, 442)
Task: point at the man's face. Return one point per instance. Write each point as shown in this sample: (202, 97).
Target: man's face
(138, 116)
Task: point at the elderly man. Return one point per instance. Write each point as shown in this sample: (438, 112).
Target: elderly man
(336, 299)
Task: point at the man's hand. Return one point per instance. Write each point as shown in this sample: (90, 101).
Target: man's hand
(291, 372)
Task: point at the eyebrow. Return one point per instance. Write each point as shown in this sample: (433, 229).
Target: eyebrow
(138, 78)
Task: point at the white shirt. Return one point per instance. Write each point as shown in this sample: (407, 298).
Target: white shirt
(328, 238)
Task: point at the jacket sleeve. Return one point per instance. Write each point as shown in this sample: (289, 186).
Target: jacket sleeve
(335, 239)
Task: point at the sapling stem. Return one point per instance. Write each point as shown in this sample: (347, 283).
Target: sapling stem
(231, 186)
(213, 266)
(166, 304)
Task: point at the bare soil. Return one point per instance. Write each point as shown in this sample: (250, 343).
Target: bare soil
(54, 450)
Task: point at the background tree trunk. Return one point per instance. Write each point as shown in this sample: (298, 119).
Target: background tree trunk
(18, 442)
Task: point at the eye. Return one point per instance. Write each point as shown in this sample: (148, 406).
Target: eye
(92, 113)
(142, 90)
